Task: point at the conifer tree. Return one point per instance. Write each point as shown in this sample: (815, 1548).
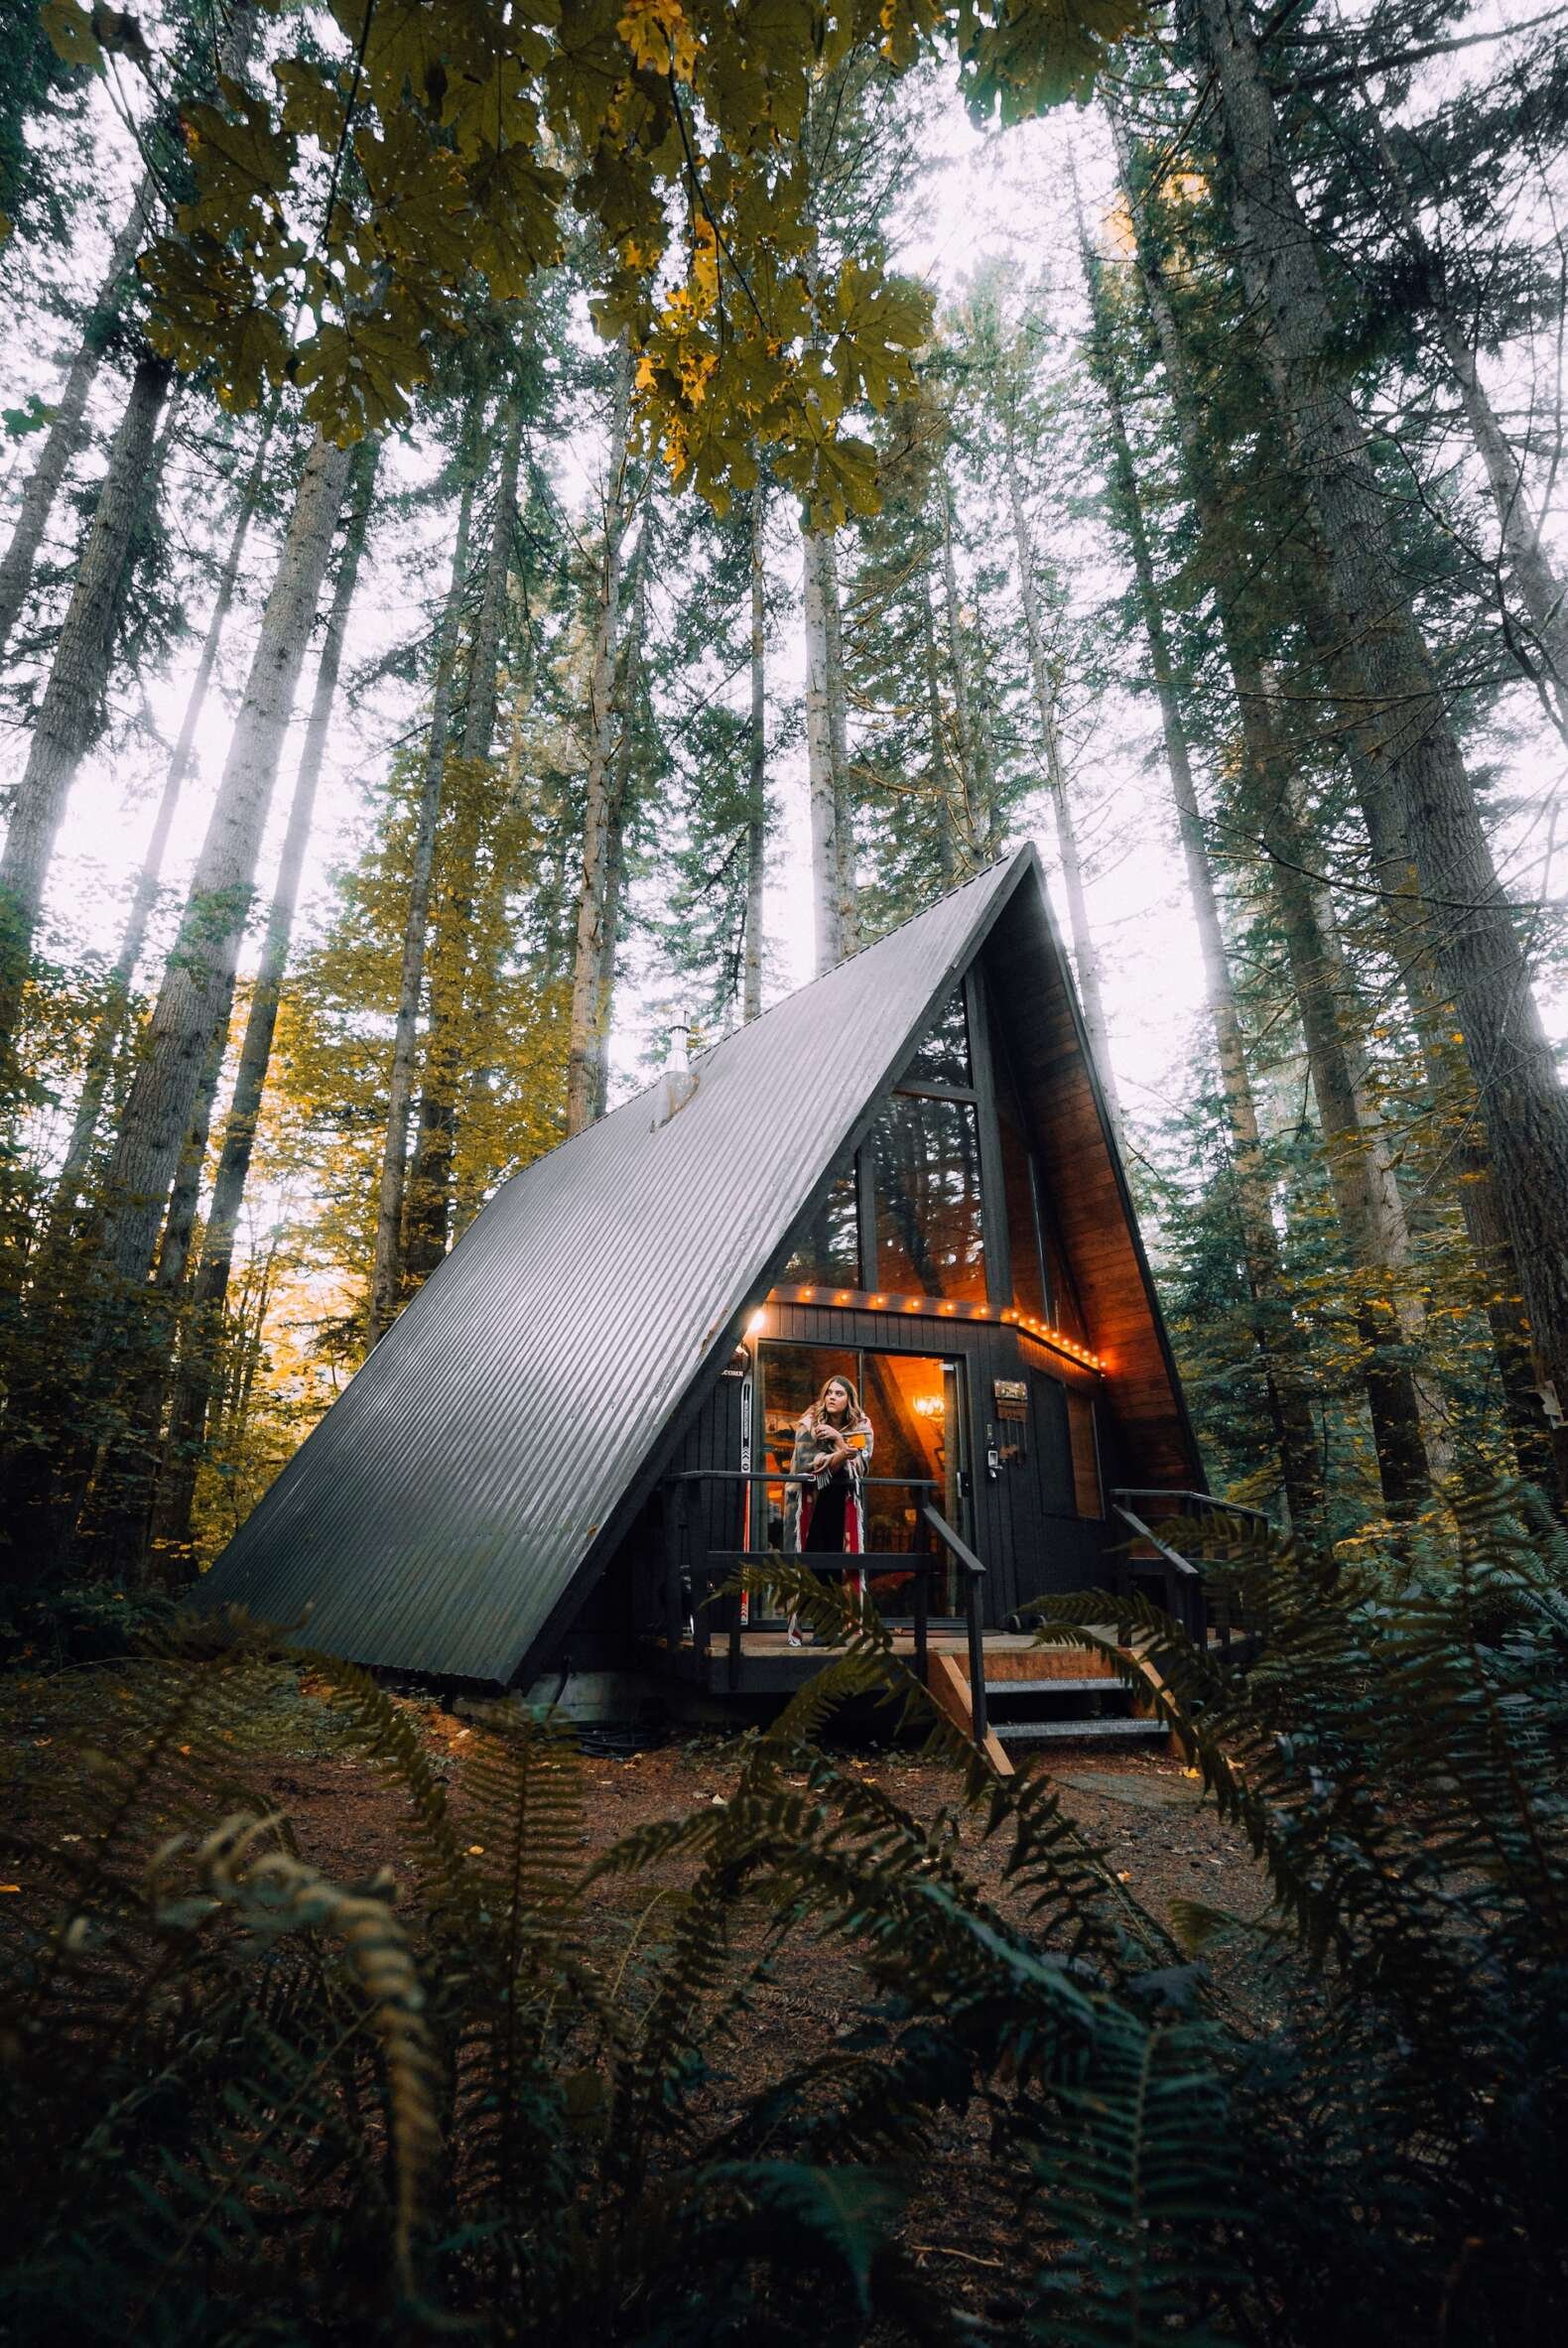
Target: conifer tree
(1405, 722)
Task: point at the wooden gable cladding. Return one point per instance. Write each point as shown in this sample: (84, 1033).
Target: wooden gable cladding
(1033, 1007)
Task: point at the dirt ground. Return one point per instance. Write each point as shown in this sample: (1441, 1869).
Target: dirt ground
(1143, 1811)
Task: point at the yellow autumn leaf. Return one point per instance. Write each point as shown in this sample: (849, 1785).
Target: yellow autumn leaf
(694, 367)
(705, 264)
(659, 37)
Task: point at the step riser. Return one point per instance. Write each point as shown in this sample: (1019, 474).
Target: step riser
(1069, 1732)
(1007, 1689)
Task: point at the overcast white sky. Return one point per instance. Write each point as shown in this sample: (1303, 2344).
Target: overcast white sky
(988, 195)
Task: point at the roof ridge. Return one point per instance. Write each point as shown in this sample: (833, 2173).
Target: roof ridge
(1023, 848)
(751, 1025)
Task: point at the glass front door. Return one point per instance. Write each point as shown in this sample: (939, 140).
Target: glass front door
(915, 1405)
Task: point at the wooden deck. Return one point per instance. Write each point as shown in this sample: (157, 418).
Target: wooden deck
(1075, 1689)
(771, 1666)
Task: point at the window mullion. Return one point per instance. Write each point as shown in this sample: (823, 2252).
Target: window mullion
(993, 1211)
(865, 1180)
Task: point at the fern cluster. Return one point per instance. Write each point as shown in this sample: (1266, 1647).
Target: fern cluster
(249, 2104)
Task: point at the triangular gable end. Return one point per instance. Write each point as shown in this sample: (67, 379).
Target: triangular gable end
(455, 1505)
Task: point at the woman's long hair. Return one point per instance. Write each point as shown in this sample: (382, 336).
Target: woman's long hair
(853, 1417)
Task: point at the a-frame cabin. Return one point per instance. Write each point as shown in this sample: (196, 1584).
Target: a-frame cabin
(904, 1172)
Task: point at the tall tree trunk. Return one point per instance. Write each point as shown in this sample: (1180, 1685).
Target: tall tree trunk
(236, 40)
(209, 1289)
(962, 708)
(1085, 951)
(946, 863)
(1446, 1068)
(1288, 1399)
(588, 957)
(67, 427)
(1366, 1200)
(1479, 953)
(756, 772)
(111, 1536)
(1468, 1168)
(618, 808)
(525, 834)
(826, 863)
(993, 827)
(128, 1327)
(428, 1211)
(185, 1195)
(839, 741)
(1540, 590)
(386, 1271)
(70, 716)
(198, 983)
(106, 1033)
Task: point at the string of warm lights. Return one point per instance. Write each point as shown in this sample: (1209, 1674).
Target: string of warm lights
(882, 1302)
(1056, 1339)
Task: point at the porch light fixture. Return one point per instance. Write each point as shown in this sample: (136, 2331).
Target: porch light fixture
(758, 1322)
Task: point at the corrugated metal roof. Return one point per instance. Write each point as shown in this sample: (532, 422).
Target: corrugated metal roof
(439, 1512)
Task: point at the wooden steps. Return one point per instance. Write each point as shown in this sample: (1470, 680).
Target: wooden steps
(1045, 1696)
(1138, 1727)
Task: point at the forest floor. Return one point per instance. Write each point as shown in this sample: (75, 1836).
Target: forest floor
(1143, 1812)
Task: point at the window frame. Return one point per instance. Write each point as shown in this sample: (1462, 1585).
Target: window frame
(981, 1095)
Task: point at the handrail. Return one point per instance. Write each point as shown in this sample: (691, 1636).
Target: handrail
(791, 1475)
(1193, 1610)
(1204, 1499)
(1146, 1533)
(875, 1562)
(1199, 1607)
(974, 1574)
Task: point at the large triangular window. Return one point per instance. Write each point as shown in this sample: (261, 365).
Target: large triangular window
(940, 1202)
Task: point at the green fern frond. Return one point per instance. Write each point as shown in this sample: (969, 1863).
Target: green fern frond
(270, 1892)
(1138, 2185)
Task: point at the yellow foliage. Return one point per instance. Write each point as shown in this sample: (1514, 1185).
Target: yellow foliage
(705, 264)
(694, 367)
(659, 37)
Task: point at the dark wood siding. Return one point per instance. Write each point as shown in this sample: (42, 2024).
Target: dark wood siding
(716, 1512)
(1086, 1198)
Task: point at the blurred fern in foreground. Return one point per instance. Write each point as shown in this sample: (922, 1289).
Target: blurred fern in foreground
(247, 2104)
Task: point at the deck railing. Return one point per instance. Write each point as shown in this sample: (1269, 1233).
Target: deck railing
(722, 1565)
(1187, 1596)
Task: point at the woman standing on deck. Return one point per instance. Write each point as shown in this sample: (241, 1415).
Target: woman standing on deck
(832, 1447)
